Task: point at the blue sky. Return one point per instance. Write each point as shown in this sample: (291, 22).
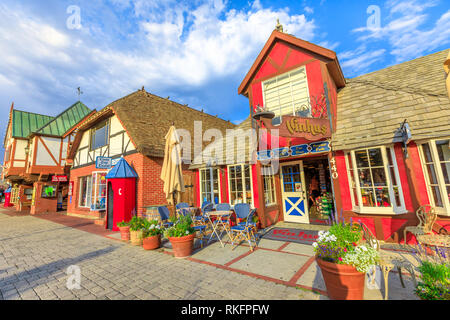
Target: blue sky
(196, 52)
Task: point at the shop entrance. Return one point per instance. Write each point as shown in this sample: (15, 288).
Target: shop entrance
(319, 190)
(293, 189)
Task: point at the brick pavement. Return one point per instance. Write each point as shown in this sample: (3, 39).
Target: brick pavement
(35, 254)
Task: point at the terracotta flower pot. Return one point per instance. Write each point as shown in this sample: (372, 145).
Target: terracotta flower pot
(182, 246)
(343, 282)
(136, 237)
(125, 233)
(151, 243)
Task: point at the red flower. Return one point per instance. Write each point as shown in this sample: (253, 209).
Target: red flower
(354, 243)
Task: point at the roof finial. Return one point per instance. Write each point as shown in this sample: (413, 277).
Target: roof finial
(143, 88)
(279, 27)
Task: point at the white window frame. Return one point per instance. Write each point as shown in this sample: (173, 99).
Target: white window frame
(243, 182)
(272, 188)
(94, 190)
(290, 86)
(394, 209)
(211, 192)
(88, 195)
(445, 210)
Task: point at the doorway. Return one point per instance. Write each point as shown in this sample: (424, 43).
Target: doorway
(110, 207)
(293, 190)
(319, 190)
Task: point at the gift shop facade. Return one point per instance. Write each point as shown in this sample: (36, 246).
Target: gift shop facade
(129, 133)
(374, 148)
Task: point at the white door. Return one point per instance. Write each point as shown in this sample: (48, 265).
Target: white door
(295, 201)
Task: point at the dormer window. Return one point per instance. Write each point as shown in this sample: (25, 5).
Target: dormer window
(288, 94)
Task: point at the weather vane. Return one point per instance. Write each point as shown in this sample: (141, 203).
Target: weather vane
(79, 92)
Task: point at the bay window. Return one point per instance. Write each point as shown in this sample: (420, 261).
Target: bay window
(210, 185)
(240, 184)
(435, 156)
(374, 181)
(269, 185)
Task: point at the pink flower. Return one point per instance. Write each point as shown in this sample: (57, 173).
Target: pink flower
(340, 259)
(345, 249)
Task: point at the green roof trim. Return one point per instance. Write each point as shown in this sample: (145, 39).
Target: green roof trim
(62, 123)
(23, 122)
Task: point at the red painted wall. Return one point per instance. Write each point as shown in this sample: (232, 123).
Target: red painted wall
(344, 184)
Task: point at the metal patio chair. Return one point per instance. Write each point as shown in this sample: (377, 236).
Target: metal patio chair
(427, 216)
(200, 229)
(164, 213)
(243, 209)
(203, 219)
(387, 260)
(243, 231)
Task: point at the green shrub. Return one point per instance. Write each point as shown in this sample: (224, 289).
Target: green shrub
(136, 223)
(435, 283)
(181, 227)
(122, 224)
(152, 228)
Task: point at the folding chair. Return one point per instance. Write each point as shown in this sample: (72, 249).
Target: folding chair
(241, 210)
(243, 230)
(203, 218)
(201, 229)
(165, 216)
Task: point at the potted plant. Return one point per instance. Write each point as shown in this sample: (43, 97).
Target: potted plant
(136, 230)
(152, 235)
(258, 223)
(124, 229)
(181, 236)
(344, 260)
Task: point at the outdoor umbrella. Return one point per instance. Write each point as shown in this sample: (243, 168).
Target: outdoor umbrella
(172, 173)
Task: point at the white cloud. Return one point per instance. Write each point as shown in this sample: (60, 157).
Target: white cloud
(404, 30)
(183, 47)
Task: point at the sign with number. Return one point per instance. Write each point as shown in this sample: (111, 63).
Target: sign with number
(103, 163)
(333, 168)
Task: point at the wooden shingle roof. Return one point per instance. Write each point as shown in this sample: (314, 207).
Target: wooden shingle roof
(147, 118)
(226, 152)
(372, 107)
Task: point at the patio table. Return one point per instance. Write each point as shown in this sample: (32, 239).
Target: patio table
(437, 240)
(218, 223)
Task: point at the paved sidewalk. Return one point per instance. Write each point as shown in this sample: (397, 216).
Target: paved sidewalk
(35, 253)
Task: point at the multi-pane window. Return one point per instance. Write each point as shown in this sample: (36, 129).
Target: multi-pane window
(269, 185)
(99, 135)
(209, 185)
(288, 94)
(374, 180)
(436, 163)
(98, 191)
(85, 191)
(240, 184)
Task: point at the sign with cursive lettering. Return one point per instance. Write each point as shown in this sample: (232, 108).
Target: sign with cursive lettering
(297, 127)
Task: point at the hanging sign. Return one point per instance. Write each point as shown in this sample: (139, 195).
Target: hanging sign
(103, 163)
(294, 151)
(70, 192)
(59, 179)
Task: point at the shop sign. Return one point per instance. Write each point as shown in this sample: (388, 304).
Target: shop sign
(294, 151)
(59, 179)
(298, 127)
(103, 163)
(70, 192)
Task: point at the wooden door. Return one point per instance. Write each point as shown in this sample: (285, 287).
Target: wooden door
(188, 195)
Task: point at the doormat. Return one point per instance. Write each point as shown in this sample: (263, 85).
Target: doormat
(292, 235)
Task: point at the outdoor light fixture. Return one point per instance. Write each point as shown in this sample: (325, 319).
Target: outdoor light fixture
(262, 114)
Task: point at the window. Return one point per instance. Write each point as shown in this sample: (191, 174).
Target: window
(239, 177)
(436, 166)
(85, 191)
(98, 191)
(209, 185)
(269, 185)
(374, 181)
(287, 94)
(99, 135)
(48, 191)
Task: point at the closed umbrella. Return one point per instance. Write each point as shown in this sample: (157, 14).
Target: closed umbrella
(172, 173)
